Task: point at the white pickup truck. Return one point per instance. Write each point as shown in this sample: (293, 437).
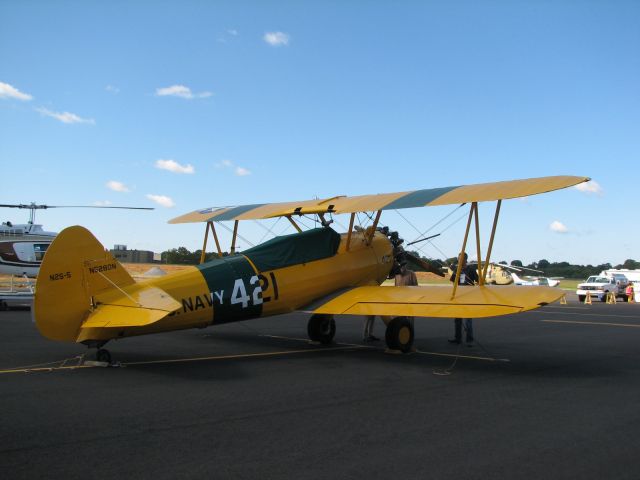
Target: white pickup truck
(599, 286)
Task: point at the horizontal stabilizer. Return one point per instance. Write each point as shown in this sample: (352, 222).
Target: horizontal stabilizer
(115, 316)
(135, 308)
(435, 301)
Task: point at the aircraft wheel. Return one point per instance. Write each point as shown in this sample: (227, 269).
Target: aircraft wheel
(399, 335)
(103, 355)
(321, 328)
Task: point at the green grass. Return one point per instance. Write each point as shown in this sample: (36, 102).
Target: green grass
(565, 283)
(570, 283)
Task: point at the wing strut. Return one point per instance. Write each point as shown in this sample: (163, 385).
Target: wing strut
(295, 225)
(478, 250)
(353, 216)
(493, 232)
(482, 266)
(474, 205)
(373, 227)
(206, 236)
(235, 236)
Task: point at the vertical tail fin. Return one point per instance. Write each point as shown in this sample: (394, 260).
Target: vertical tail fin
(75, 268)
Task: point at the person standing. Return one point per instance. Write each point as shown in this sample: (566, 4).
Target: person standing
(406, 278)
(367, 335)
(468, 276)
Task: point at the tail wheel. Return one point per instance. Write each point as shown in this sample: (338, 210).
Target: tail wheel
(321, 328)
(399, 335)
(103, 355)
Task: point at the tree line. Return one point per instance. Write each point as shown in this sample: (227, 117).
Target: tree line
(183, 256)
(567, 270)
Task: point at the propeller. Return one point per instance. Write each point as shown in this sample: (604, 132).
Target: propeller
(400, 255)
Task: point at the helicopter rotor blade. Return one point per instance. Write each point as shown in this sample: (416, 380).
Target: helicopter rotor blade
(98, 206)
(33, 206)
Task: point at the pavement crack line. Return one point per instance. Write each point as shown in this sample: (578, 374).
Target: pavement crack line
(420, 352)
(602, 324)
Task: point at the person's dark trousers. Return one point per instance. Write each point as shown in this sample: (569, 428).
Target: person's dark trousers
(468, 326)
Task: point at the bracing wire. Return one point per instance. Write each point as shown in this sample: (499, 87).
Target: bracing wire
(269, 230)
(237, 234)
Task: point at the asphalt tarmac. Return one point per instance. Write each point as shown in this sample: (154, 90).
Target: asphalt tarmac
(549, 394)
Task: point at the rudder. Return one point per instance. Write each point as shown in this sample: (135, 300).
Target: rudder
(75, 268)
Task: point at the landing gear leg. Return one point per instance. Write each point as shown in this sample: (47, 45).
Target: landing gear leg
(399, 334)
(321, 328)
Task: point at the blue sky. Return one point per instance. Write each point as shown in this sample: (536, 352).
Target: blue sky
(252, 102)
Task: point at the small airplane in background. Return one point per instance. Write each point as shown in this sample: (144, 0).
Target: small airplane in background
(84, 295)
(506, 274)
(22, 246)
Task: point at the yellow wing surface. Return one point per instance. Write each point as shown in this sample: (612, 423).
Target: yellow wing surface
(434, 301)
(481, 192)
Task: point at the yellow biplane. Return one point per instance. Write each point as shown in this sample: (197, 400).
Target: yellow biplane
(84, 295)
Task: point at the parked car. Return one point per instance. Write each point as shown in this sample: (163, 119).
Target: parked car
(599, 286)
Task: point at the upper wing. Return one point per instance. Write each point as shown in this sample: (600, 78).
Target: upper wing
(481, 192)
(435, 301)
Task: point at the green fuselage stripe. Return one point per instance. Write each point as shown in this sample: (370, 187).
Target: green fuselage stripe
(419, 198)
(232, 284)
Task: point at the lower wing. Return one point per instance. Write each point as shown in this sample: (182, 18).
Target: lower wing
(434, 301)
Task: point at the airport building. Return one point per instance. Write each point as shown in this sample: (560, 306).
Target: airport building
(122, 254)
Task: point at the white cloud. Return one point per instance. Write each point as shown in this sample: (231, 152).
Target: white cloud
(102, 203)
(224, 163)
(112, 89)
(239, 171)
(65, 117)
(180, 91)
(558, 227)
(9, 91)
(174, 166)
(162, 200)
(276, 39)
(117, 186)
(230, 32)
(590, 187)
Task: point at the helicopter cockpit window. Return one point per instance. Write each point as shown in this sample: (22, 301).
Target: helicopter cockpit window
(39, 249)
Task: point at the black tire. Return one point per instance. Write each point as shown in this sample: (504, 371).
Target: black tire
(581, 298)
(321, 328)
(399, 334)
(604, 297)
(103, 355)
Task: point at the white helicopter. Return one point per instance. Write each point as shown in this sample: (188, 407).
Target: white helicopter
(22, 246)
